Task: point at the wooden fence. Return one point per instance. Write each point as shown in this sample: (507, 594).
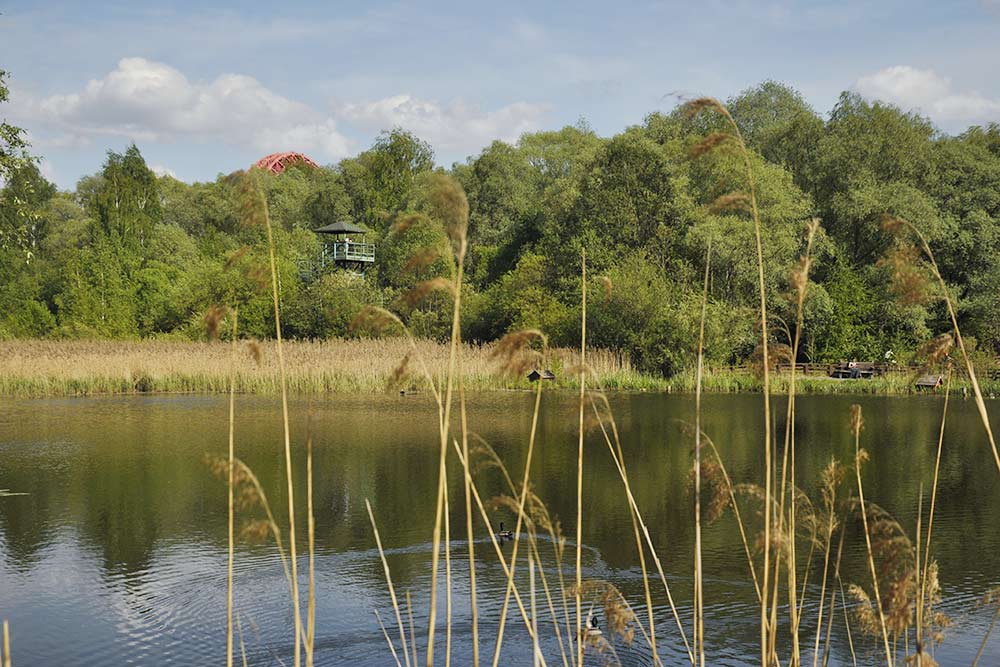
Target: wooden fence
(827, 369)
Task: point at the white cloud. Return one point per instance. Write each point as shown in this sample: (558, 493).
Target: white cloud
(148, 101)
(453, 127)
(160, 170)
(151, 101)
(930, 93)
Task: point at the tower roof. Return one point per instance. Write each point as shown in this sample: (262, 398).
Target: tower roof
(341, 228)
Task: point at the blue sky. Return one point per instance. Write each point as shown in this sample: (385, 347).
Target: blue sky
(206, 88)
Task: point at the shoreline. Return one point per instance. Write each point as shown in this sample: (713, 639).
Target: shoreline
(38, 369)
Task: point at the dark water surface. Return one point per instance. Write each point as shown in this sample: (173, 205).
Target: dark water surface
(117, 554)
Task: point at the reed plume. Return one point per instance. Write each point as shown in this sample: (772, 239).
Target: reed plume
(691, 109)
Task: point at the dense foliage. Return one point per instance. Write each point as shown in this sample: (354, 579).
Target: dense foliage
(130, 255)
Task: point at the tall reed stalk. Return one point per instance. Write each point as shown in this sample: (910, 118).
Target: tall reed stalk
(830, 504)
(496, 545)
(470, 534)
(856, 426)
(5, 655)
(579, 460)
(892, 223)
(989, 631)
(694, 107)
(800, 283)
(231, 554)
(292, 544)
(311, 528)
(451, 201)
(930, 522)
(392, 589)
(619, 460)
(699, 595)
(522, 497)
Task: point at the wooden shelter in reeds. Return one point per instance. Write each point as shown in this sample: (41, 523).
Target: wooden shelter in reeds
(929, 381)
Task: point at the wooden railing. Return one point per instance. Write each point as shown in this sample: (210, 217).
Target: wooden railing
(346, 251)
(879, 369)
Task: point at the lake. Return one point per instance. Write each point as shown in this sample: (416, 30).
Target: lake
(116, 554)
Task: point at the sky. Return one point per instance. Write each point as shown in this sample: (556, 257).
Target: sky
(208, 87)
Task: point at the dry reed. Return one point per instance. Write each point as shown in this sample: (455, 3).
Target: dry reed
(59, 368)
(859, 456)
(692, 108)
(699, 600)
(392, 590)
(5, 654)
(579, 461)
(894, 224)
(231, 554)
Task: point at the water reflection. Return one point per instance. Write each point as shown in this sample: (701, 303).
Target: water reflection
(118, 553)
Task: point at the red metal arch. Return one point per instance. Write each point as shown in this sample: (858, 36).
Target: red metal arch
(278, 162)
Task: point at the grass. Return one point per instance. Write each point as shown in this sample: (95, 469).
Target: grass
(36, 368)
(729, 381)
(82, 368)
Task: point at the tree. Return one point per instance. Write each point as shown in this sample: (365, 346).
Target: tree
(25, 194)
(127, 203)
(987, 137)
(380, 181)
(777, 122)
(632, 197)
(13, 144)
(19, 214)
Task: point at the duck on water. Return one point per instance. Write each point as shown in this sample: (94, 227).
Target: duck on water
(504, 534)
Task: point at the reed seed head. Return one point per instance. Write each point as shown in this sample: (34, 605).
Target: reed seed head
(515, 355)
(256, 530)
(213, 320)
(606, 285)
(731, 202)
(402, 223)
(375, 320)
(893, 225)
(255, 351)
(421, 259)
(421, 290)
(936, 350)
(450, 205)
(696, 106)
(618, 614)
(715, 485)
(400, 372)
(235, 257)
(910, 280)
(709, 144)
(857, 421)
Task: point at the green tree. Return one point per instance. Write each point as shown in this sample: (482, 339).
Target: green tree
(777, 122)
(22, 199)
(13, 143)
(127, 203)
(381, 180)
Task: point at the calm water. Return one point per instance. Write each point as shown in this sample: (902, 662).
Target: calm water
(116, 555)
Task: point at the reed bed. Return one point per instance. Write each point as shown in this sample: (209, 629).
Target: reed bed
(80, 368)
(734, 381)
(36, 368)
